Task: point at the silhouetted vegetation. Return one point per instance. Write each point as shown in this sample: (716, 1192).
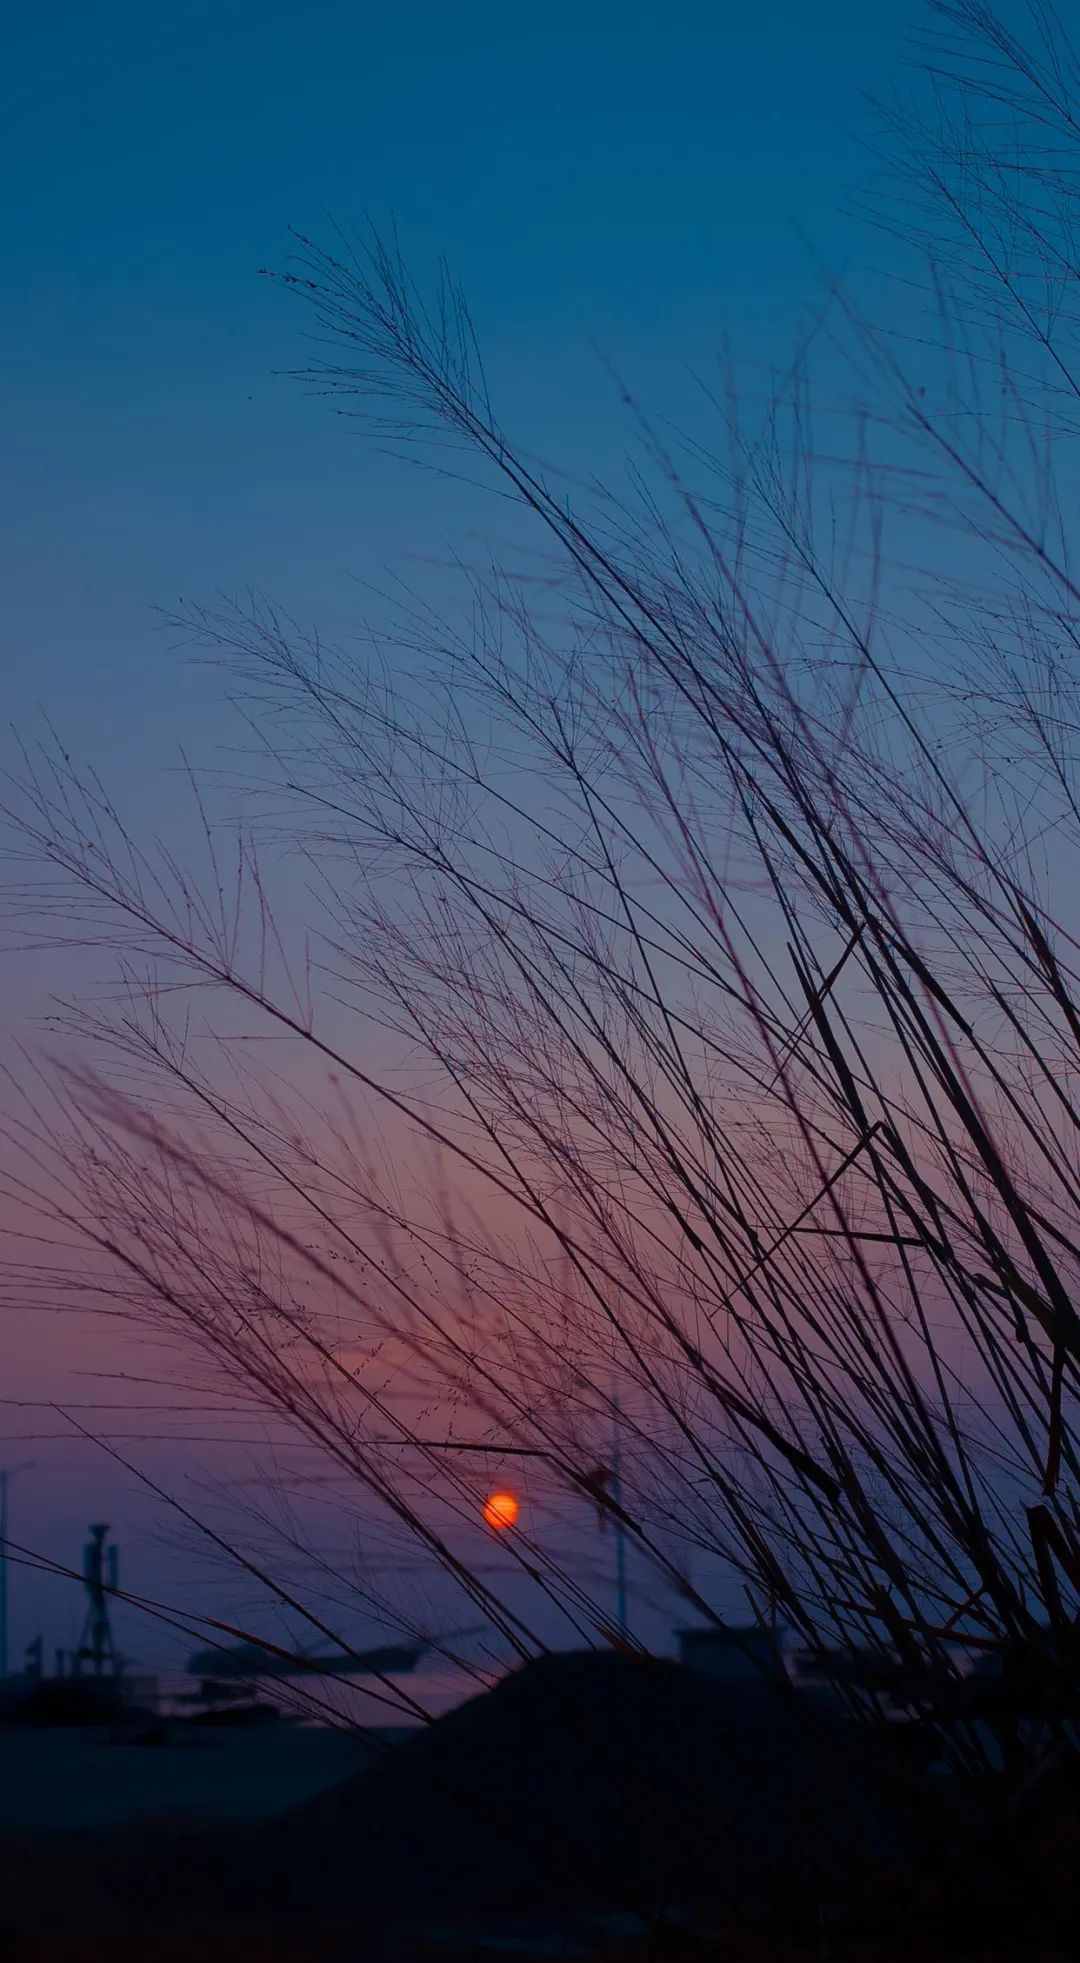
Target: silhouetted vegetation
(695, 921)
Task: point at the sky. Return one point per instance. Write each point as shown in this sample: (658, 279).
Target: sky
(591, 175)
(636, 180)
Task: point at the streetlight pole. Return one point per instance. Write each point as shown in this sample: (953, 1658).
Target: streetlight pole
(7, 1473)
(620, 1532)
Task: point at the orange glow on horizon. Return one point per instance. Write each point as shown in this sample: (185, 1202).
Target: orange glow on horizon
(501, 1511)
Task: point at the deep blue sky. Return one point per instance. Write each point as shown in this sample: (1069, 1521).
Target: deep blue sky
(626, 174)
(634, 177)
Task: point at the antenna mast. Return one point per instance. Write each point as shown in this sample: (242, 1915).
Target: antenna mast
(96, 1644)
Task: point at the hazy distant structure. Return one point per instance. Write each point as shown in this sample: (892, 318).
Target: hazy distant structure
(734, 1654)
(90, 1685)
(246, 1662)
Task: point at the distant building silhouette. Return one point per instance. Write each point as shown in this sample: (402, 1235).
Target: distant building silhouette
(737, 1652)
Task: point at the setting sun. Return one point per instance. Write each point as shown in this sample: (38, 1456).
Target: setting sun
(501, 1511)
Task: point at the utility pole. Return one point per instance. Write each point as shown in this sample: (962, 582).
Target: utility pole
(7, 1473)
(620, 1530)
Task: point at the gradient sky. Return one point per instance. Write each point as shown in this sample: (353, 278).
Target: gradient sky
(608, 172)
(631, 177)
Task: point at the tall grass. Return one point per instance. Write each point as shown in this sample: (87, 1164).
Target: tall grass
(707, 896)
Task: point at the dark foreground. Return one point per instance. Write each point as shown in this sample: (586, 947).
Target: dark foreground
(78, 1902)
(590, 1807)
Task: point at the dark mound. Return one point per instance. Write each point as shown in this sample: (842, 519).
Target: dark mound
(593, 1778)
